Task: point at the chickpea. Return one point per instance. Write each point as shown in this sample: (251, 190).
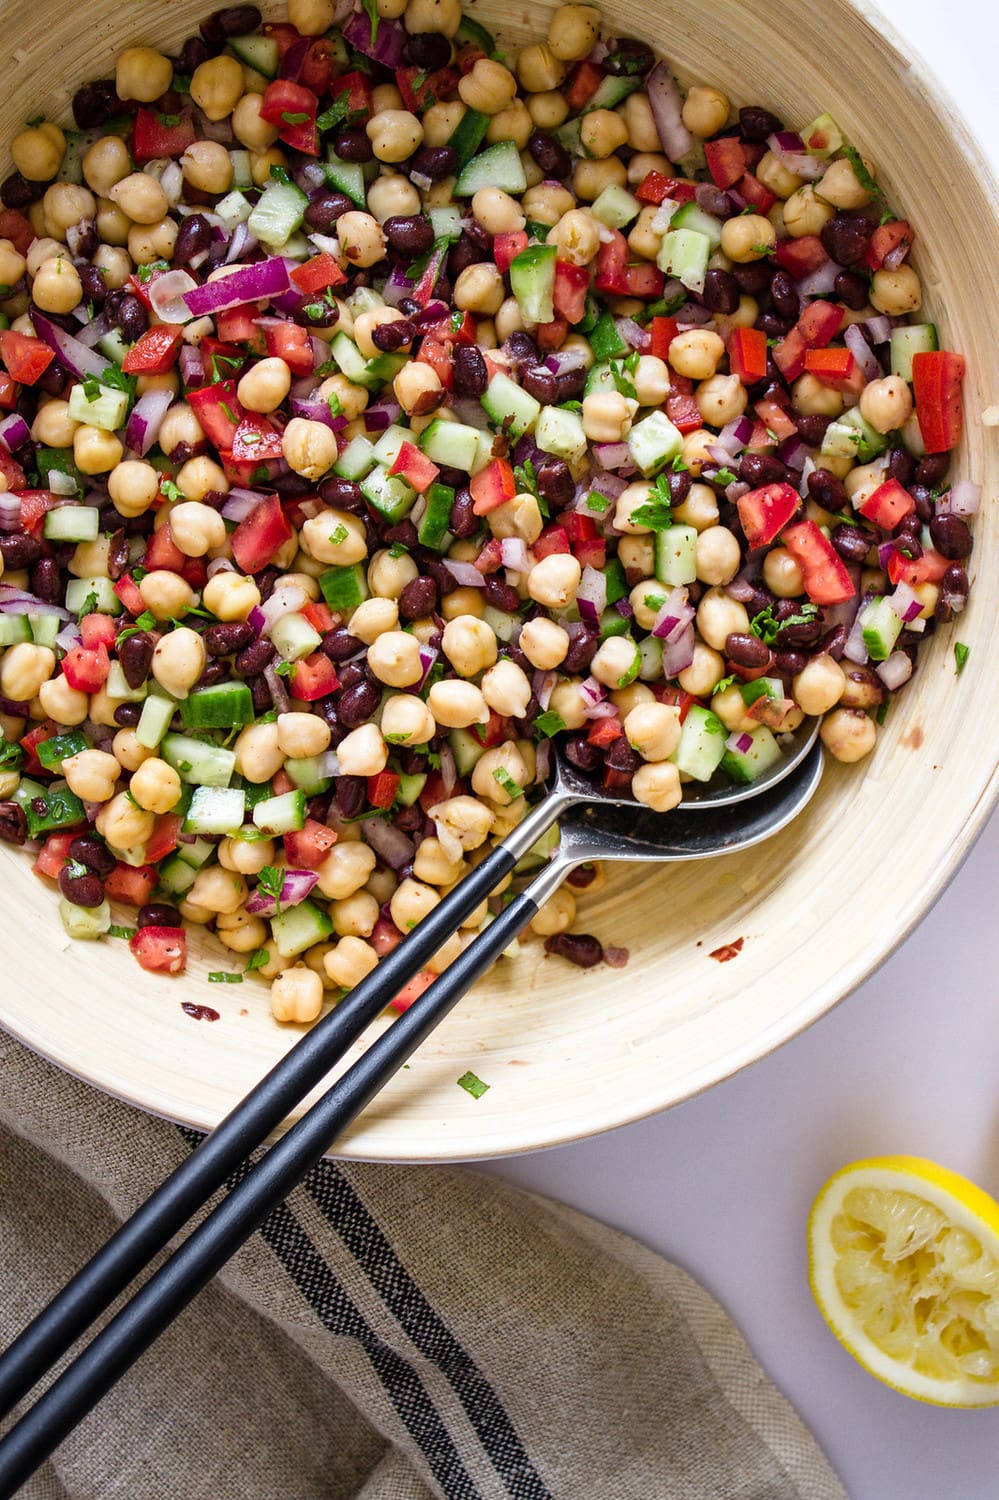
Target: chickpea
(839, 186)
(718, 616)
(411, 902)
(479, 289)
(554, 580)
(350, 961)
(352, 398)
(262, 162)
(142, 74)
(392, 194)
(653, 730)
(309, 447)
(312, 17)
(365, 325)
(607, 416)
(113, 226)
(805, 213)
(630, 500)
(297, 995)
(575, 236)
(602, 132)
(363, 752)
(195, 528)
(721, 399)
(264, 386)
(774, 175)
(501, 774)
(747, 237)
(705, 671)
(239, 932)
(217, 86)
(557, 914)
(155, 786)
(896, 292)
(463, 601)
(496, 211)
(25, 667)
(782, 575)
(129, 754)
(418, 388)
(302, 734)
(207, 166)
(647, 598)
(388, 575)
(651, 380)
(508, 319)
(394, 658)
(591, 177)
(511, 124)
(811, 396)
(507, 689)
(244, 857)
(657, 786)
(140, 196)
(65, 204)
(124, 825)
(199, 476)
(361, 238)
(469, 645)
(572, 31)
(394, 134)
(356, 915)
(372, 618)
(643, 238)
(166, 595)
(258, 752)
(848, 734)
(148, 242)
(538, 69)
(819, 686)
(696, 353)
(886, 403)
(434, 865)
(443, 16)
(644, 162)
(464, 818)
(114, 264)
(406, 720)
(37, 152)
(179, 660)
(12, 265)
(57, 287)
(718, 556)
(705, 111)
(253, 132)
(61, 702)
(544, 643)
(457, 704)
(53, 426)
(616, 661)
(230, 596)
(345, 870)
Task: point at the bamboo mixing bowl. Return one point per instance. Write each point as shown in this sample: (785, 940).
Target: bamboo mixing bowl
(567, 1052)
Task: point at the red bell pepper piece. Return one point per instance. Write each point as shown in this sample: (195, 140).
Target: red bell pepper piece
(655, 188)
(747, 354)
(612, 265)
(128, 592)
(162, 551)
(53, 854)
(681, 408)
(493, 732)
(588, 546)
(155, 135)
(584, 80)
(9, 391)
(492, 486)
(836, 368)
(98, 630)
(292, 343)
(801, 256)
(318, 273)
(166, 836)
(259, 538)
(155, 352)
(664, 331)
(423, 291)
(506, 248)
(14, 475)
(765, 512)
(434, 791)
(818, 325)
(888, 505)
(675, 697)
(319, 615)
(86, 671)
(415, 467)
(604, 732)
(26, 358)
(773, 416)
(221, 361)
(726, 160)
(255, 440)
(16, 228)
(412, 989)
(936, 383)
(30, 743)
(307, 847)
(382, 788)
(571, 286)
(313, 677)
(160, 950)
(826, 578)
(754, 192)
(554, 538)
(896, 235)
(357, 88)
(218, 410)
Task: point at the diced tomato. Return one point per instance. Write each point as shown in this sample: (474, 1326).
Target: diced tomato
(435, 791)
(220, 361)
(584, 80)
(249, 476)
(453, 328)
(765, 512)
(166, 836)
(259, 538)
(382, 788)
(290, 342)
(11, 470)
(754, 192)
(313, 677)
(131, 884)
(553, 539)
(156, 351)
(98, 630)
(319, 615)
(142, 285)
(128, 592)
(161, 950)
(664, 331)
(385, 936)
(888, 505)
(292, 108)
(238, 325)
(195, 572)
(283, 35)
(801, 256)
(30, 743)
(415, 467)
(155, 135)
(357, 87)
(552, 335)
(419, 89)
(896, 235)
(588, 546)
(26, 358)
(506, 248)
(162, 551)
(604, 732)
(937, 377)
(413, 989)
(86, 671)
(612, 265)
(307, 847)
(571, 286)
(826, 579)
(9, 390)
(726, 160)
(255, 440)
(645, 281)
(655, 188)
(836, 368)
(681, 408)
(423, 290)
(493, 732)
(675, 698)
(776, 419)
(218, 410)
(318, 273)
(747, 354)
(490, 558)
(34, 506)
(437, 354)
(53, 855)
(818, 325)
(929, 568)
(492, 486)
(16, 228)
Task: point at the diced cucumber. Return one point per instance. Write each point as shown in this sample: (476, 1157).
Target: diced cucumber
(197, 853)
(676, 555)
(118, 687)
(356, 459)
(223, 705)
(411, 784)
(510, 407)
(14, 629)
(684, 253)
(599, 378)
(747, 765)
(283, 814)
(446, 222)
(86, 922)
(561, 432)
(617, 580)
(349, 359)
(689, 216)
(233, 209)
(502, 625)
(305, 772)
(880, 627)
(51, 753)
(176, 876)
(612, 622)
(650, 649)
(346, 177)
(605, 341)
(760, 687)
(470, 31)
(466, 749)
(72, 523)
(215, 809)
(198, 763)
(433, 531)
(154, 720)
(849, 436)
(258, 52)
(910, 339)
(48, 808)
(532, 281)
(654, 442)
(823, 137)
(611, 92)
(451, 443)
(483, 452)
(107, 410)
(113, 345)
(299, 927)
(105, 600)
(293, 637)
(498, 166)
(387, 448)
(344, 588)
(44, 629)
(468, 135)
(382, 370)
(242, 170)
(277, 214)
(615, 206)
(389, 494)
(702, 744)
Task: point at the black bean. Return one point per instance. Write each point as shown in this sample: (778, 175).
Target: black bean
(215, 671)
(82, 239)
(13, 823)
(410, 234)
(785, 294)
(907, 543)
(581, 877)
(851, 542)
(540, 383)
(746, 650)
(901, 466)
(827, 490)
(571, 384)
(127, 715)
(757, 123)
(351, 795)
(353, 145)
(463, 254)
(19, 551)
(721, 291)
(521, 348)
(92, 283)
(418, 598)
(753, 278)
(845, 240)
(679, 486)
(159, 914)
(266, 579)
(252, 660)
(555, 482)
(852, 289)
(790, 663)
(325, 207)
(501, 595)
(580, 753)
(812, 428)
(428, 50)
(290, 487)
(774, 326)
(403, 532)
(17, 192)
(464, 522)
(135, 654)
(228, 638)
(434, 162)
(833, 642)
(629, 58)
(621, 757)
(713, 201)
(95, 103)
(52, 380)
(470, 374)
(87, 849)
(82, 890)
(955, 582)
(951, 537)
(580, 948)
(192, 54)
(193, 237)
(757, 469)
(318, 312)
(409, 819)
(391, 337)
(932, 470)
(339, 644)
(550, 155)
(583, 645)
(342, 493)
(794, 637)
(46, 580)
(261, 694)
(358, 703)
(127, 313)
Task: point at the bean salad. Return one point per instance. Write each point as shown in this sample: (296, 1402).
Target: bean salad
(379, 406)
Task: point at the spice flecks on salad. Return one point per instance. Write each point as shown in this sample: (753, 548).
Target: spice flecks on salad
(378, 406)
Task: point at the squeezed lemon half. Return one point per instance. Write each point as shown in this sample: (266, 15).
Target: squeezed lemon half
(903, 1261)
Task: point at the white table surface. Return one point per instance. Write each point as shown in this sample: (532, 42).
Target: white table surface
(909, 1062)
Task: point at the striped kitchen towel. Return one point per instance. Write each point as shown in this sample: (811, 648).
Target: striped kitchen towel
(391, 1333)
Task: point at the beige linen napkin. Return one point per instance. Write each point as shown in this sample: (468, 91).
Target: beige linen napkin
(391, 1333)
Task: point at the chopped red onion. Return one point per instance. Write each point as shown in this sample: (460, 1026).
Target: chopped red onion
(615, 958)
(145, 420)
(92, 332)
(471, 412)
(240, 503)
(739, 743)
(449, 771)
(886, 551)
(905, 602)
(718, 454)
(377, 420)
(612, 455)
(428, 655)
(855, 650)
(878, 329)
(666, 102)
(61, 484)
(293, 61)
(675, 613)
(862, 352)
(283, 601)
(315, 410)
(605, 710)
(256, 619)
(895, 257)
(819, 281)
(610, 485)
(166, 296)
(789, 150)
(77, 358)
(591, 595)
(219, 565)
(279, 693)
(10, 512)
(15, 601)
(389, 41)
(466, 575)
(542, 686)
(513, 550)
(694, 317)
(295, 886)
(258, 282)
(172, 182)
(68, 637)
(564, 360)
(542, 760)
(895, 671)
(192, 370)
(964, 498)
(808, 468)
(243, 243)
(592, 692)
(792, 452)
(634, 335)
(678, 652)
(393, 847)
(736, 490)
(735, 435)
(14, 432)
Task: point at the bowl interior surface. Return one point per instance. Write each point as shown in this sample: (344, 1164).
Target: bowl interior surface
(568, 1052)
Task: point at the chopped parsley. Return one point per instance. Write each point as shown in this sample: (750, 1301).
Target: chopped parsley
(280, 174)
(657, 511)
(371, 7)
(74, 869)
(150, 269)
(767, 628)
(271, 882)
(219, 976)
(91, 388)
(257, 960)
(283, 669)
(170, 490)
(335, 404)
(961, 654)
(623, 385)
(724, 685)
(526, 477)
(298, 117)
(217, 361)
(336, 114)
(398, 549)
(861, 173)
(725, 476)
(549, 723)
(883, 711)
(229, 413)
(122, 932)
(678, 466)
(339, 534)
(503, 778)
(88, 606)
(597, 502)
(170, 121)
(473, 1085)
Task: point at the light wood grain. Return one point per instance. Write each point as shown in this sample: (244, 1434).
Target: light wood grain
(568, 1053)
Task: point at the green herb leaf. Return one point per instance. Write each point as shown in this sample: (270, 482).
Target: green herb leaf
(473, 1085)
(621, 381)
(597, 502)
(678, 466)
(170, 490)
(122, 932)
(299, 117)
(883, 710)
(88, 606)
(767, 628)
(549, 723)
(961, 654)
(280, 174)
(657, 512)
(335, 115)
(503, 778)
(283, 669)
(258, 958)
(335, 404)
(219, 976)
(371, 7)
(861, 173)
(526, 477)
(725, 476)
(169, 120)
(339, 534)
(271, 882)
(724, 684)
(229, 413)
